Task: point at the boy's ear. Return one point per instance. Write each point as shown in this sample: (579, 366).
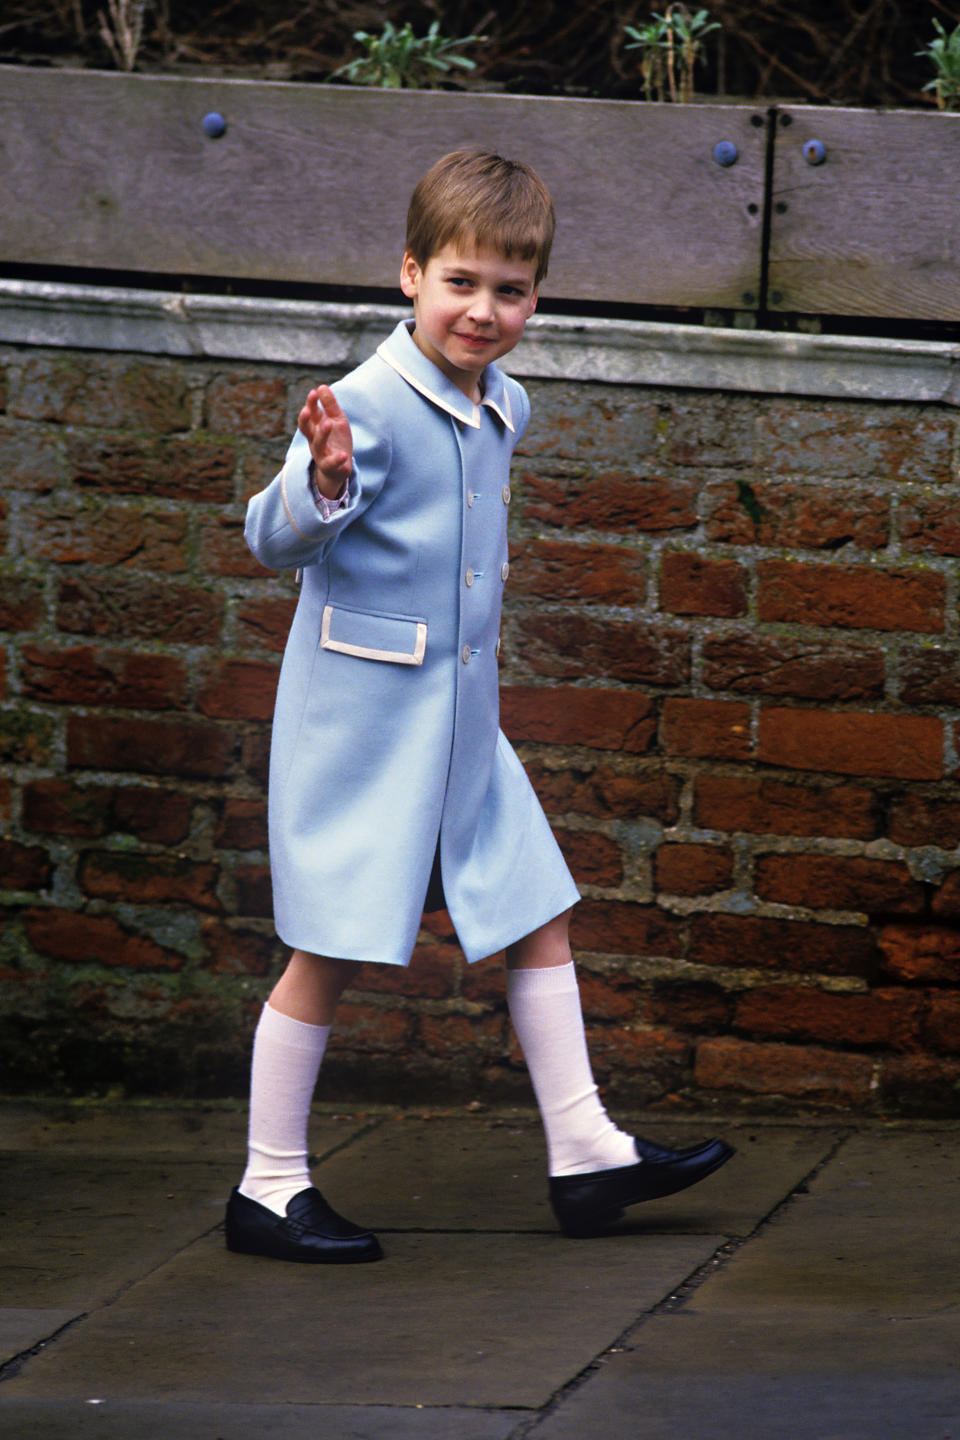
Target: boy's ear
(533, 301)
(410, 273)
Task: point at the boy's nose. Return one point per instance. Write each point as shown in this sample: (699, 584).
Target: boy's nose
(481, 307)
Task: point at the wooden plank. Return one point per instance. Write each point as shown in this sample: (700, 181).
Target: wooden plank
(310, 182)
(875, 228)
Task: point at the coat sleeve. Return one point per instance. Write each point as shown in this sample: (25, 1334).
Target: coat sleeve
(284, 526)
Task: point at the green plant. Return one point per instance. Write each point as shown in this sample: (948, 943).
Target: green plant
(121, 30)
(668, 43)
(944, 54)
(398, 59)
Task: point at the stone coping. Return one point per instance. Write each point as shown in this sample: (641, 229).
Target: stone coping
(620, 352)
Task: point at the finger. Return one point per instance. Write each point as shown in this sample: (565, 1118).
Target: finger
(329, 402)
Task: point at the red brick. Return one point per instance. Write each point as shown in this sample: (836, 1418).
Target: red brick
(691, 1005)
(710, 429)
(796, 1072)
(611, 423)
(149, 747)
(194, 469)
(6, 795)
(692, 584)
(946, 901)
(714, 729)
(593, 859)
(812, 670)
(562, 570)
(930, 677)
(924, 820)
(160, 817)
(135, 607)
(243, 825)
(790, 1012)
(78, 939)
(223, 550)
(839, 882)
(239, 690)
(371, 1028)
(30, 460)
(468, 1036)
(24, 867)
(605, 792)
(27, 738)
(929, 954)
(942, 1026)
(266, 622)
(692, 869)
(254, 891)
(776, 807)
(573, 647)
(654, 1062)
(843, 439)
(851, 596)
(149, 879)
(235, 951)
(920, 1084)
(909, 747)
(930, 523)
(255, 757)
(429, 976)
(104, 392)
(620, 720)
(84, 676)
(622, 927)
(805, 517)
(615, 502)
(110, 535)
(759, 942)
(607, 997)
(247, 405)
(21, 603)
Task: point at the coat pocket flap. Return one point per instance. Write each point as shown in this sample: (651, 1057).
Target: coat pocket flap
(397, 638)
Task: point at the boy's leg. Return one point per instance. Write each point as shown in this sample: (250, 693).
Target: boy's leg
(275, 1210)
(544, 1002)
(595, 1168)
(288, 1046)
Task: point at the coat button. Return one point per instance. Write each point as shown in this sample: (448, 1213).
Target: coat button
(465, 654)
(468, 578)
(470, 499)
(506, 494)
(497, 650)
(504, 570)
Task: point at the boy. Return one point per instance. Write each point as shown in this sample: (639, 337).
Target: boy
(392, 789)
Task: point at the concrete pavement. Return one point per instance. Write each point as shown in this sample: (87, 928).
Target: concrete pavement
(808, 1290)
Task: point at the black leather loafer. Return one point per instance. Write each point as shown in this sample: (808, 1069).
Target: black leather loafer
(312, 1232)
(586, 1204)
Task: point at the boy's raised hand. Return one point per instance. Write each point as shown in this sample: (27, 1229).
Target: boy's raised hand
(327, 432)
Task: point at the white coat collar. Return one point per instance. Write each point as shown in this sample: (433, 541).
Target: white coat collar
(400, 352)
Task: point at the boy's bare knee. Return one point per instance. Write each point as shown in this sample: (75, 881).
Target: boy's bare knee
(545, 946)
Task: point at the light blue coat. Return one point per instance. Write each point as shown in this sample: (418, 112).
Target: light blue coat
(386, 732)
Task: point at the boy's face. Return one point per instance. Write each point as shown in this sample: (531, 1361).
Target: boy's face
(470, 306)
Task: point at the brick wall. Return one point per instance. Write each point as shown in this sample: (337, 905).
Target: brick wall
(730, 665)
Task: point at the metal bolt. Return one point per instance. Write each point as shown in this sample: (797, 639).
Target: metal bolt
(814, 152)
(214, 125)
(725, 153)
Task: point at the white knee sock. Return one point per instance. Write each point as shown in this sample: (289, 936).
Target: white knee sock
(286, 1061)
(545, 1010)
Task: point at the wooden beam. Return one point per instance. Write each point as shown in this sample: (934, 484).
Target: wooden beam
(874, 228)
(310, 183)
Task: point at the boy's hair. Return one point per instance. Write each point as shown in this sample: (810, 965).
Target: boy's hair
(479, 197)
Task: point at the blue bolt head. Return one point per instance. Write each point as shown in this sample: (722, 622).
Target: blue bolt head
(814, 152)
(214, 125)
(725, 153)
